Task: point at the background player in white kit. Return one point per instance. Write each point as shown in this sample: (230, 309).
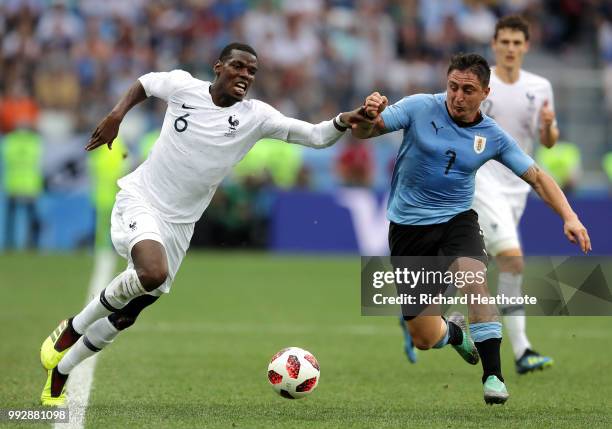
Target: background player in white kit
(522, 104)
(207, 129)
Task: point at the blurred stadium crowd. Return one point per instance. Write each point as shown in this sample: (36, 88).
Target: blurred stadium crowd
(64, 63)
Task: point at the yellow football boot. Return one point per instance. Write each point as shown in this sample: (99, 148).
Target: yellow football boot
(55, 397)
(49, 357)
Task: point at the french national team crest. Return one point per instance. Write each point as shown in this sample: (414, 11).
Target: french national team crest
(233, 126)
(480, 143)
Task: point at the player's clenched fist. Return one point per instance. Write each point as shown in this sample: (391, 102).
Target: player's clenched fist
(547, 116)
(375, 104)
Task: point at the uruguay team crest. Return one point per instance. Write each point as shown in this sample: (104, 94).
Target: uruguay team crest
(480, 143)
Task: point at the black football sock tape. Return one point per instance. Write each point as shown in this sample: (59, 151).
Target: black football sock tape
(455, 334)
(489, 355)
(68, 338)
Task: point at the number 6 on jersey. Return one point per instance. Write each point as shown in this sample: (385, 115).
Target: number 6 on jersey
(180, 124)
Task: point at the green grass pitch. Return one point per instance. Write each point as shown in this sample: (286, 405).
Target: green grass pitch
(198, 357)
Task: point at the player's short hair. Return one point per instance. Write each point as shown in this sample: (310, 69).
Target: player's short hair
(471, 62)
(227, 51)
(512, 22)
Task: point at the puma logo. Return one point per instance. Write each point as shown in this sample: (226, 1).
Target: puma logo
(433, 124)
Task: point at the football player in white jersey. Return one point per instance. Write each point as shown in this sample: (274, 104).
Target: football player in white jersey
(207, 129)
(522, 104)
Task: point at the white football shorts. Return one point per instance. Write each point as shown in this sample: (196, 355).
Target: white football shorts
(499, 215)
(134, 220)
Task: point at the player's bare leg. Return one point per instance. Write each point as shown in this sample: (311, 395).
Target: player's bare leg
(427, 331)
(103, 318)
(434, 331)
(511, 266)
(485, 329)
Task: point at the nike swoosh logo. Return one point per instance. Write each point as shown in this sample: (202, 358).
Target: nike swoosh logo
(187, 107)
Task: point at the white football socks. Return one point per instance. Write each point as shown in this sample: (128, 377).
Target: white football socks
(121, 290)
(100, 334)
(514, 317)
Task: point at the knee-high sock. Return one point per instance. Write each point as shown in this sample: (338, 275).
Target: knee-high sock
(115, 296)
(487, 338)
(514, 316)
(100, 334)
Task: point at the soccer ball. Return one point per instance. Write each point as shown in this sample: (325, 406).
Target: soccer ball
(293, 372)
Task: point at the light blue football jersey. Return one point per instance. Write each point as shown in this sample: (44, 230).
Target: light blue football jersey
(433, 178)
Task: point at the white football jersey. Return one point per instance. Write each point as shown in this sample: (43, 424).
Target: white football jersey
(516, 108)
(200, 142)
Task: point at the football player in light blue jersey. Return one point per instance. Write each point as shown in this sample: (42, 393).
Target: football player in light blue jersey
(446, 139)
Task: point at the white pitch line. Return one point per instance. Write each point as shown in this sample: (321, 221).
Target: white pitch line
(81, 377)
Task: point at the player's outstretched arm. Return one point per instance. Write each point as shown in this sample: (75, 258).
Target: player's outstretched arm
(374, 125)
(317, 136)
(550, 192)
(107, 130)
